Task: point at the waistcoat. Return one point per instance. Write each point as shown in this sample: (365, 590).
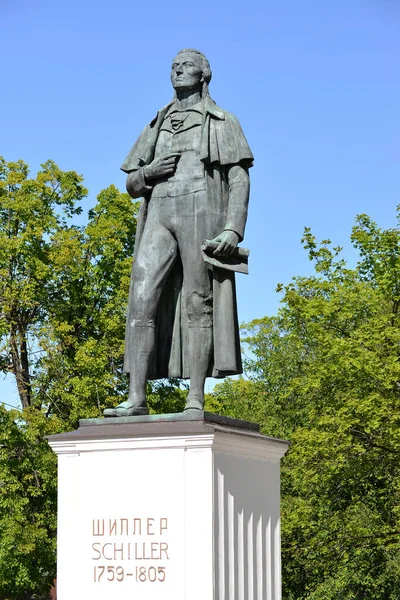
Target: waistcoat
(181, 133)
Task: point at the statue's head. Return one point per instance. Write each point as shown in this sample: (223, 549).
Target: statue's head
(190, 70)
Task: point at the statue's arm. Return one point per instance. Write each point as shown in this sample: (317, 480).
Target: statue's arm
(136, 185)
(239, 191)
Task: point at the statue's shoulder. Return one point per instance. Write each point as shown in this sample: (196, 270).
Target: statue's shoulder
(227, 143)
(142, 151)
(212, 108)
(160, 115)
(221, 114)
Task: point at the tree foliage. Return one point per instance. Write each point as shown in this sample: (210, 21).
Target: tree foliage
(325, 374)
(63, 295)
(27, 504)
(63, 290)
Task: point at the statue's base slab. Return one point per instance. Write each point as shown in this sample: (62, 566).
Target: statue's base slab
(187, 415)
(179, 507)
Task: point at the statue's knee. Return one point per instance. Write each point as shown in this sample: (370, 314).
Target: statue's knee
(199, 309)
(146, 322)
(138, 274)
(142, 309)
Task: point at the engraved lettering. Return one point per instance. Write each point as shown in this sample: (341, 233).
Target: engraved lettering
(163, 524)
(112, 527)
(123, 524)
(139, 523)
(154, 551)
(164, 548)
(137, 557)
(96, 550)
(120, 550)
(104, 551)
(150, 525)
(98, 526)
(150, 574)
(144, 552)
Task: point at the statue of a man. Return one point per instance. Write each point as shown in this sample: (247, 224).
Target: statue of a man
(190, 166)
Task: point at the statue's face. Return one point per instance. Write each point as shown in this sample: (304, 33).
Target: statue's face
(186, 72)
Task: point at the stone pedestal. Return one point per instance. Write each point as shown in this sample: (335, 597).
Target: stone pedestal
(173, 507)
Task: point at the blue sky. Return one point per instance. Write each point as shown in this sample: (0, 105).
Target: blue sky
(315, 85)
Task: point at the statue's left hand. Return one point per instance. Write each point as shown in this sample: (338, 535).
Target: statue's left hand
(227, 242)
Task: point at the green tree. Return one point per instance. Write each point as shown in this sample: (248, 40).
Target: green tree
(79, 371)
(63, 295)
(27, 504)
(32, 211)
(63, 290)
(325, 373)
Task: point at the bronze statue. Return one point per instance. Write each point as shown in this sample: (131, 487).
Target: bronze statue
(190, 166)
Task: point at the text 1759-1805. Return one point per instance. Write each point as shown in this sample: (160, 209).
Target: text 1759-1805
(128, 552)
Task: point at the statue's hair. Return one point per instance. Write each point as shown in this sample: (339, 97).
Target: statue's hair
(205, 67)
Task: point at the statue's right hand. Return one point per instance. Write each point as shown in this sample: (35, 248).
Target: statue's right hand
(161, 167)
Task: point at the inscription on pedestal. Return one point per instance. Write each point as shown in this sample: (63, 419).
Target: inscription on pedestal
(130, 548)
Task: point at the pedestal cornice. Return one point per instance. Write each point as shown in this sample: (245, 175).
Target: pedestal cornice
(199, 430)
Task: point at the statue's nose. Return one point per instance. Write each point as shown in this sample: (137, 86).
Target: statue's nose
(179, 71)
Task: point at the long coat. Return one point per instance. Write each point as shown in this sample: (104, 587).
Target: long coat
(222, 145)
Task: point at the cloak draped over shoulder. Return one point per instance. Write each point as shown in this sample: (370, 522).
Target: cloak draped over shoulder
(222, 145)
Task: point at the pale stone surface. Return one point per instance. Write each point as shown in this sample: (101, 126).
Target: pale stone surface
(175, 510)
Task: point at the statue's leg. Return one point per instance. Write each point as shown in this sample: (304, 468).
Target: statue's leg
(200, 346)
(141, 354)
(198, 290)
(153, 262)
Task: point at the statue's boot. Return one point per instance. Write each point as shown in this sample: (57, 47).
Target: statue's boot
(125, 409)
(200, 345)
(136, 403)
